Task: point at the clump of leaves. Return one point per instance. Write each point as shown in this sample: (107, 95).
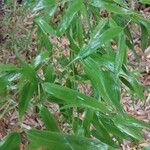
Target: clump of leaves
(91, 35)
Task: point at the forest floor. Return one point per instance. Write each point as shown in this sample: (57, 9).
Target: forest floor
(17, 28)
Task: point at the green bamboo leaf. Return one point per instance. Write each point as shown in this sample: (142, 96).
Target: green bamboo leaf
(86, 16)
(44, 31)
(130, 45)
(123, 21)
(43, 57)
(111, 128)
(127, 83)
(73, 97)
(48, 119)
(105, 60)
(144, 38)
(95, 12)
(111, 6)
(28, 72)
(131, 121)
(49, 74)
(94, 42)
(80, 33)
(132, 129)
(3, 85)
(141, 20)
(77, 126)
(101, 133)
(133, 132)
(57, 141)
(138, 88)
(146, 148)
(73, 43)
(44, 3)
(74, 7)
(121, 54)
(11, 142)
(117, 9)
(10, 76)
(7, 68)
(44, 41)
(46, 140)
(145, 1)
(98, 40)
(48, 5)
(98, 29)
(45, 27)
(104, 81)
(130, 80)
(25, 96)
(87, 122)
(121, 2)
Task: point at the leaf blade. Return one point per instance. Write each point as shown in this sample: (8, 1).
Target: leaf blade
(11, 142)
(48, 119)
(104, 82)
(63, 141)
(98, 40)
(73, 97)
(26, 94)
(74, 7)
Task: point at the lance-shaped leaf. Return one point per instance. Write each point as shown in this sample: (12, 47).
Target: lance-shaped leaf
(111, 6)
(43, 33)
(73, 43)
(45, 27)
(49, 74)
(94, 41)
(49, 5)
(141, 20)
(111, 128)
(86, 16)
(80, 33)
(130, 80)
(3, 85)
(98, 40)
(74, 7)
(144, 37)
(44, 41)
(121, 2)
(11, 142)
(105, 60)
(104, 81)
(87, 121)
(28, 72)
(121, 54)
(145, 1)
(131, 121)
(101, 133)
(73, 97)
(43, 57)
(71, 33)
(26, 94)
(131, 128)
(57, 141)
(7, 68)
(133, 132)
(48, 119)
(123, 21)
